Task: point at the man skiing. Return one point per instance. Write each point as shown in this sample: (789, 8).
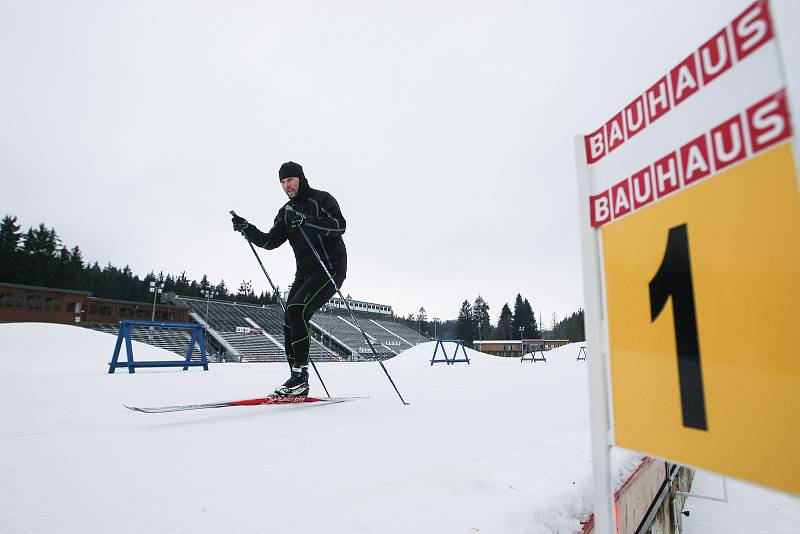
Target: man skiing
(317, 214)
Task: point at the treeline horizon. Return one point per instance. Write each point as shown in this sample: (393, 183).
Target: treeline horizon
(38, 257)
(474, 323)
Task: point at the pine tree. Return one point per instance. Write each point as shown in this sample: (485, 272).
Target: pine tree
(204, 284)
(10, 235)
(92, 276)
(194, 289)
(480, 317)
(40, 256)
(276, 295)
(504, 323)
(531, 328)
(182, 284)
(447, 329)
(571, 328)
(465, 327)
(245, 293)
(108, 286)
(524, 318)
(10, 255)
(72, 270)
(169, 282)
(518, 319)
(222, 291)
(422, 319)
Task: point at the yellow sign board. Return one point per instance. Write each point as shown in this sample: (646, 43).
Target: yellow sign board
(737, 409)
(691, 249)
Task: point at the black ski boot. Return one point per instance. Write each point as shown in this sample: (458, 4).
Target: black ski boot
(296, 386)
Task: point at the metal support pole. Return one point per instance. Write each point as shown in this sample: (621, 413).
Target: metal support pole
(599, 396)
(156, 289)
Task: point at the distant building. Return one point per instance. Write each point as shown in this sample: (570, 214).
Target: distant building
(363, 306)
(21, 303)
(355, 305)
(513, 348)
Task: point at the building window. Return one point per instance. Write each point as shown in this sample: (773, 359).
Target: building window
(34, 302)
(12, 300)
(53, 304)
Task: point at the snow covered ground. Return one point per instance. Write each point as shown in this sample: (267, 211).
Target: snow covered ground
(751, 509)
(495, 446)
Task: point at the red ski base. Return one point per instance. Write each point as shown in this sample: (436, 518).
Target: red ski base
(247, 402)
(275, 400)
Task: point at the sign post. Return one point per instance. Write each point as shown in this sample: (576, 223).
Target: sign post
(595, 328)
(690, 215)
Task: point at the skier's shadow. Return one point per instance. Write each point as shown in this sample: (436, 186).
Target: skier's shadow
(251, 411)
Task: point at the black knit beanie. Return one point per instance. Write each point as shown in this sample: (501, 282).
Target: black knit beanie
(289, 169)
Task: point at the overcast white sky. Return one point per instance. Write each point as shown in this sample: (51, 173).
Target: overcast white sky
(444, 129)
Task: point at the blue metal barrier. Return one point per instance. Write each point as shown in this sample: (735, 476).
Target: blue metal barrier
(125, 334)
(535, 349)
(454, 359)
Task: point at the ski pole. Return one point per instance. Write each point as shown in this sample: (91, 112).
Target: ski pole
(335, 285)
(283, 305)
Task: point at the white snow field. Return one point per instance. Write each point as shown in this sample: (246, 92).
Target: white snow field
(497, 446)
(750, 509)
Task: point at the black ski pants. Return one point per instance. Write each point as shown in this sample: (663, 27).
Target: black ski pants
(308, 294)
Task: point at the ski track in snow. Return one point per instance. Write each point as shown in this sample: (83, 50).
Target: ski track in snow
(460, 458)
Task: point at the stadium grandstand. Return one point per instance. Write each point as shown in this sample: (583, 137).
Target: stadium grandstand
(234, 332)
(251, 333)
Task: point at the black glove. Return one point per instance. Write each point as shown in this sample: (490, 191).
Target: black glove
(294, 218)
(240, 224)
(251, 233)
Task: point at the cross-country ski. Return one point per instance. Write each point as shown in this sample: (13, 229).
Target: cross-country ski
(263, 401)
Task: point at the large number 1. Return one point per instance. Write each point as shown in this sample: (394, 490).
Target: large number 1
(674, 279)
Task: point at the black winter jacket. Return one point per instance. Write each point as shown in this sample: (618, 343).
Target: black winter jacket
(324, 226)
